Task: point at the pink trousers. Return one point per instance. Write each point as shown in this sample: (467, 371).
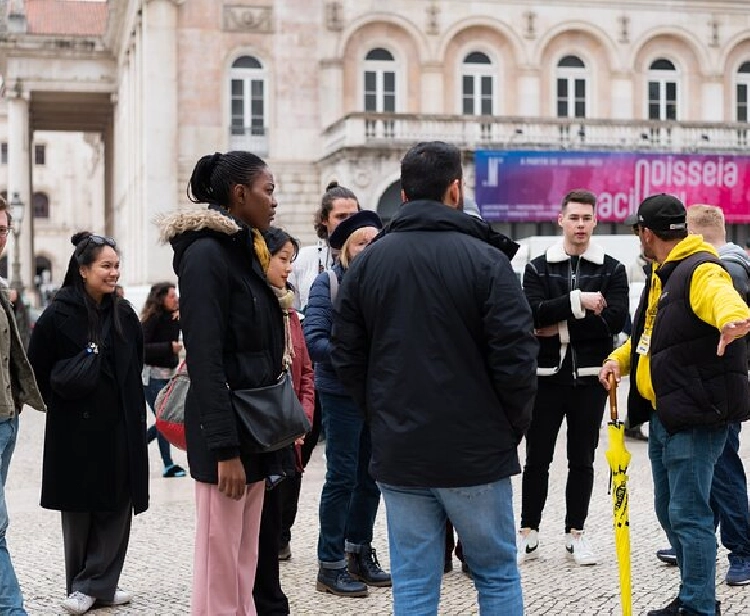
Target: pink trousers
(226, 551)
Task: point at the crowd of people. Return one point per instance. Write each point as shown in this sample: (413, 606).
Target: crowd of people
(416, 353)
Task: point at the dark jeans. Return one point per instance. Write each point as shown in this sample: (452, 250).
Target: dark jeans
(151, 391)
(582, 406)
(350, 497)
(683, 468)
(729, 497)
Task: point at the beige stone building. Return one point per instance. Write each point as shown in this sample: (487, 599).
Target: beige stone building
(339, 89)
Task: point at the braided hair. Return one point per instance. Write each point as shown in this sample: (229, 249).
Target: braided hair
(215, 174)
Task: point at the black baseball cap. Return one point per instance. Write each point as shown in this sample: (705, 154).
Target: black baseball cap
(662, 213)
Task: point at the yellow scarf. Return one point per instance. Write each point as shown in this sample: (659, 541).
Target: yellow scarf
(261, 249)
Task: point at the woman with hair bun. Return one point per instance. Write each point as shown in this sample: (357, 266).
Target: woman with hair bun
(233, 331)
(95, 466)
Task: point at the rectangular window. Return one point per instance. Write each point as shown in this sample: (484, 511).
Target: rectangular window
(371, 91)
(486, 93)
(4, 153)
(40, 154)
(741, 104)
(562, 98)
(671, 102)
(238, 107)
(257, 108)
(467, 97)
(654, 100)
(389, 92)
(580, 98)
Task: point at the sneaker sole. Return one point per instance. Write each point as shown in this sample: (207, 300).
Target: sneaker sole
(325, 588)
(737, 582)
(384, 584)
(668, 561)
(527, 556)
(581, 563)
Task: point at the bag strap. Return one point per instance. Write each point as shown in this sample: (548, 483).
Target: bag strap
(334, 285)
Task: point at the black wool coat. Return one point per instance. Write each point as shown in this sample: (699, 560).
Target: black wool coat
(233, 330)
(95, 447)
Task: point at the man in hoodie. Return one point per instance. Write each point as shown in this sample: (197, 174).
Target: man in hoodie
(690, 384)
(434, 340)
(729, 487)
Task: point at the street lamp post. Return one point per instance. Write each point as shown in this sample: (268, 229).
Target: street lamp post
(16, 211)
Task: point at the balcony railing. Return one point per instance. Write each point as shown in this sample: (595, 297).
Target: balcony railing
(253, 139)
(358, 130)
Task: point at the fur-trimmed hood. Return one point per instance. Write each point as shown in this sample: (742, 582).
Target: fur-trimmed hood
(212, 218)
(182, 228)
(594, 253)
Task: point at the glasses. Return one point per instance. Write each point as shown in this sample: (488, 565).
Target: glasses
(100, 240)
(4, 231)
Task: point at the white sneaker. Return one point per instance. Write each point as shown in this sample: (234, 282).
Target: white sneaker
(527, 545)
(121, 598)
(78, 603)
(578, 548)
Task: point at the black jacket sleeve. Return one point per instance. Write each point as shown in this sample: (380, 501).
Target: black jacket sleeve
(740, 277)
(42, 352)
(156, 353)
(612, 319)
(512, 346)
(349, 339)
(204, 301)
(546, 311)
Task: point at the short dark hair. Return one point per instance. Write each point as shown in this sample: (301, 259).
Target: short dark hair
(277, 238)
(428, 169)
(579, 196)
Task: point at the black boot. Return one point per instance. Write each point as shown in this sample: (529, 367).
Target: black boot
(364, 566)
(339, 582)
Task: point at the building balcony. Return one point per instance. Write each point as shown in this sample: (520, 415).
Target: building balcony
(253, 139)
(399, 130)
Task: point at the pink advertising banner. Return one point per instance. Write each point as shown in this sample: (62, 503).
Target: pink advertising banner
(529, 185)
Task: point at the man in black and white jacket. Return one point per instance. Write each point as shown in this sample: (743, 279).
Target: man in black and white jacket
(579, 299)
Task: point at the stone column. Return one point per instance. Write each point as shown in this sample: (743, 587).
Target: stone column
(157, 142)
(19, 180)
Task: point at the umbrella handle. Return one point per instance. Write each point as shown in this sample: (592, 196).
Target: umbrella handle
(614, 416)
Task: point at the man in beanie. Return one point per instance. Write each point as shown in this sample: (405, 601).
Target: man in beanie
(690, 384)
(434, 339)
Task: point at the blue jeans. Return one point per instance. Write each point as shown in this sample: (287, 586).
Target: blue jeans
(151, 391)
(350, 497)
(483, 517)
(729, 498)
(11, 599)
(683, 468)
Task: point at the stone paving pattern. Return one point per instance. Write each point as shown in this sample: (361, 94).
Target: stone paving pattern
(158, 567)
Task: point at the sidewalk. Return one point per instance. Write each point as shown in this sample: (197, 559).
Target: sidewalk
(158, 567)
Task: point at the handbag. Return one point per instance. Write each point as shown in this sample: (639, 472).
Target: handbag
(272, 416)
(77, 376)
(170, 408)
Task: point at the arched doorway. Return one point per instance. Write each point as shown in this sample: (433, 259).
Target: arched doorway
(389, 202)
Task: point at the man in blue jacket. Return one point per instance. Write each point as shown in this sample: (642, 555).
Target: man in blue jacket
(434, 340)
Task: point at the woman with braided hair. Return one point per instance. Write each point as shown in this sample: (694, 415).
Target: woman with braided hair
(233, 331)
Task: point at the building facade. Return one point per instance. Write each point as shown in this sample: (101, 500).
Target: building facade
(340, 89)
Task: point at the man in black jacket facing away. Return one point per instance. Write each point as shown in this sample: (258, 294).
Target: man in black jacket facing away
(434, 340)
(579, 298)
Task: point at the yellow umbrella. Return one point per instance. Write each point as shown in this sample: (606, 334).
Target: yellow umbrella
(619, 458)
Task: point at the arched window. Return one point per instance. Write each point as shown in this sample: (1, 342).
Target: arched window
(743, 85)
(380, 81)
(40, 205)
(249, 105)
(663, 90)
(380, 90)
(477, 84)
(571, 87)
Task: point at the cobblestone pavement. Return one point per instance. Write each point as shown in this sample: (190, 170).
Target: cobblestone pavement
(158, 566)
